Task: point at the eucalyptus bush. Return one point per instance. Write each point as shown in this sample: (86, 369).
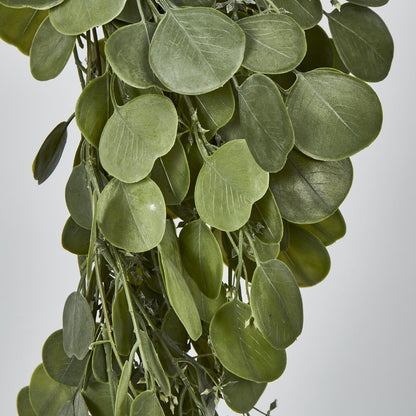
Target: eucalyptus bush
(212, 133)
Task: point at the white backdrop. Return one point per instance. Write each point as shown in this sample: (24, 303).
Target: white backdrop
(356, 355)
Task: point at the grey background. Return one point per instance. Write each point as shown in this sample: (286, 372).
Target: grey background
(356, 355)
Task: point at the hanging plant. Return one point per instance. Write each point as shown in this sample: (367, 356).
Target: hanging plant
(212, 134)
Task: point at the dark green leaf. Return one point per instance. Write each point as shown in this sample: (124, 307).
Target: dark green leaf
(67, 409)
(370, 3)
(307, 13)
(98, 399)
(50, 153)
(99, 364)
(75, 239)
(122, 323)
(24, 407)
(193, 3)
(173, 328)
(147, 404)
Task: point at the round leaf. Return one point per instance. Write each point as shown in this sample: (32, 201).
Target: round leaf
(227, 186)
(132, 216)
(308, 190)
(241, 348)
(98, 398)
(202, 258)
(75, 239)
(196, 50)
(136, 135)
(50, 52)
(58, 365)
(334, 115)
(24, 407)
(276, 303)
(363, 41)
(74, 17)
(146, 403)
(34, 4)
(307, 13)
(264, 122)
(275, 43)
(127, 51)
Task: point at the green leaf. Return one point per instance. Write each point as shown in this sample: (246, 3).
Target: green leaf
(241, 348)
(239, 394)
(75, 239)
(98, 399)
(122, 323)
(265, 220)
(78, 197)
(50, 153)
(132, 216)
(201, 257)
(78, 326)
(308, 190)
(307, 13)
(334, 115)
(18, 26)
(136, 135)
(193, 3)
(80, 406)
(196, 50)
(50, 52)
(329, 230)
(363, 41)
(94, 108)
(74, 17)
(264, 122)
(67, 409)
(275, 43)
(215, 108)
(173, 328)
(176, 287)
(58, 365)
(306, 257)
(47, 396)
(122, 391)
(146, 403)
(99, 364)
(127, 51)
(370, 3)
(171, 174)
(276, 303)
(34, 4)
(265, 251)
(24, 407)
(227, 186)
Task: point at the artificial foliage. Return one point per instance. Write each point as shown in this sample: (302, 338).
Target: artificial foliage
(214, 136)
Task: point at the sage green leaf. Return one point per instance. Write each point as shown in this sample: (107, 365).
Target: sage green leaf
(146, 403)
(50, 52)
(50, 153)
(193, 3)
(306, 257)
(136, 135)
(276, 303)
(178, 292)
(264, 251)
(122, 323)
(98, 399)
(196, 50)
(241, 348)
(239, 394)
(370, 3)
(24, 407)
(122, 391)
(99, 364)
(264, 122)
(275, 43)
(34, 4)
(319, 53)
(227, 186)
(75, 239)
(58, 365)
(74, 17)
(215, 108)
(308, 190)
(47, 396)
(78, 326)
(363, 41)
(132, 216)
(173, 328)
(127, 51)
(329, 230)
(67, 409)
(265, 220)
(171, 174)
(80, 406)
(78, 197)
(18, 26)
(334, 115)
(307, 13)
(94, 108)
(201, 257)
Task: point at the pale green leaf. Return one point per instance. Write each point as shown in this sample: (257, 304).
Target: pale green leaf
(34, 4)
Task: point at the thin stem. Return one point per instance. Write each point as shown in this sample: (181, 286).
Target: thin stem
(273, 6)
(250, 240)
(80, 68)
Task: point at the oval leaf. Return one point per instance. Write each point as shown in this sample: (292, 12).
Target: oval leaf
(24, 407)
(307, 13)
(275, 43)
(240, 346)
(196, 50)
(136, 135)
(75, 239)
(78, 326)
(227, 186)
(122, 323)
(146, 403)
(98, 398)
(308, 190)
(363, 41)
(34, 4)
(132, 216)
